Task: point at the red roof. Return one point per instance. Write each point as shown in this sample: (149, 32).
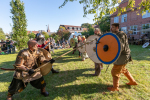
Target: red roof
(67, 27)
(124, 3)
(35, 32)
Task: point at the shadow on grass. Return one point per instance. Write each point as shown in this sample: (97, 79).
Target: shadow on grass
(6, 75)
(66, 84)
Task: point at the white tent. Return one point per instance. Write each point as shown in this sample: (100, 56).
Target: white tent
(71, 36)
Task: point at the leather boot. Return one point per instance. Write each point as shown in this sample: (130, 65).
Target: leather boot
(44, 92)
(130, 78)
(9, 96)
(54, 71)
(97, 69)
(115, 84)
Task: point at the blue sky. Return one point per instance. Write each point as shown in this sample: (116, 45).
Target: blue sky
(40, 13)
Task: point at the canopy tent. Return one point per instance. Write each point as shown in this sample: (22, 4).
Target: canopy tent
(71, 36)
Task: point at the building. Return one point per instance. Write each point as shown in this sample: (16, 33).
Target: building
(129, 21)
(73, 29)
(35, 32)
(48, 30)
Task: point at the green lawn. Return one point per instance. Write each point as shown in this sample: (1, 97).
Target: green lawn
(75, 82)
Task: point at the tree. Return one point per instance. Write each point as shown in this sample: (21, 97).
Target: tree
(2, 35)
(101, 7)
(46, 35)
(8, 36)
(55, 36)
(19, 24)
(104, 24)
(85, 25)
(31, 35)
(64, 34)
(89, 32)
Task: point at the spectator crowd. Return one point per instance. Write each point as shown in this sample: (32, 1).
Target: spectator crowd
(6, 47)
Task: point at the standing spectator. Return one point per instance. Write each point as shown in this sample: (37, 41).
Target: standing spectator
(63, 40)
(51, 45)
(11, 46)
(84, 54)
(58, 43)
(76, 42)
(3, 45)
(53, 42)
(79, 40)
(8, 46)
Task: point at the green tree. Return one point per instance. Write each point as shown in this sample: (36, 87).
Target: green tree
(55, 36)
(2, 35)
(101, 7)
(89, 32)
(19, 24)
(85, 25)
(104, 24)
(46, 35)
(31, 35)
(64, 34)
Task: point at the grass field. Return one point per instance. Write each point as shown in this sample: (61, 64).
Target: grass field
(74, 82)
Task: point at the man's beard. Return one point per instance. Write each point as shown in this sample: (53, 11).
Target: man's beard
(40, 41)
(35, 48)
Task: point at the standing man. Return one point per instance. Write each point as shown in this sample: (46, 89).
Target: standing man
(41, 43)
(125, 57)
(76, 42)
(98, 66)
(25, 64)
(63, 40)
(8, 46)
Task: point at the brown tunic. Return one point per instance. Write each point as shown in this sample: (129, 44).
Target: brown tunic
(29, 60)
(125, 50)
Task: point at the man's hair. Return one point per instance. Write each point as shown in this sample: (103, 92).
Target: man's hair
(97, 29)
(115, 24)
(30, 42)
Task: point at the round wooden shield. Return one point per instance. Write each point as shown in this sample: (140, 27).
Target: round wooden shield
(47, 68)
(108, 48)
(72, 42)
(90, 48)
(82, 48)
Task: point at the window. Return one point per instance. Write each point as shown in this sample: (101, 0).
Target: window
(116, 19)
(75, 28)
(81, 28)
(145, 26)
(134, 29)
(146, 15)
(124, 29)
(78, 28)
(124, 18)
(70, 28)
